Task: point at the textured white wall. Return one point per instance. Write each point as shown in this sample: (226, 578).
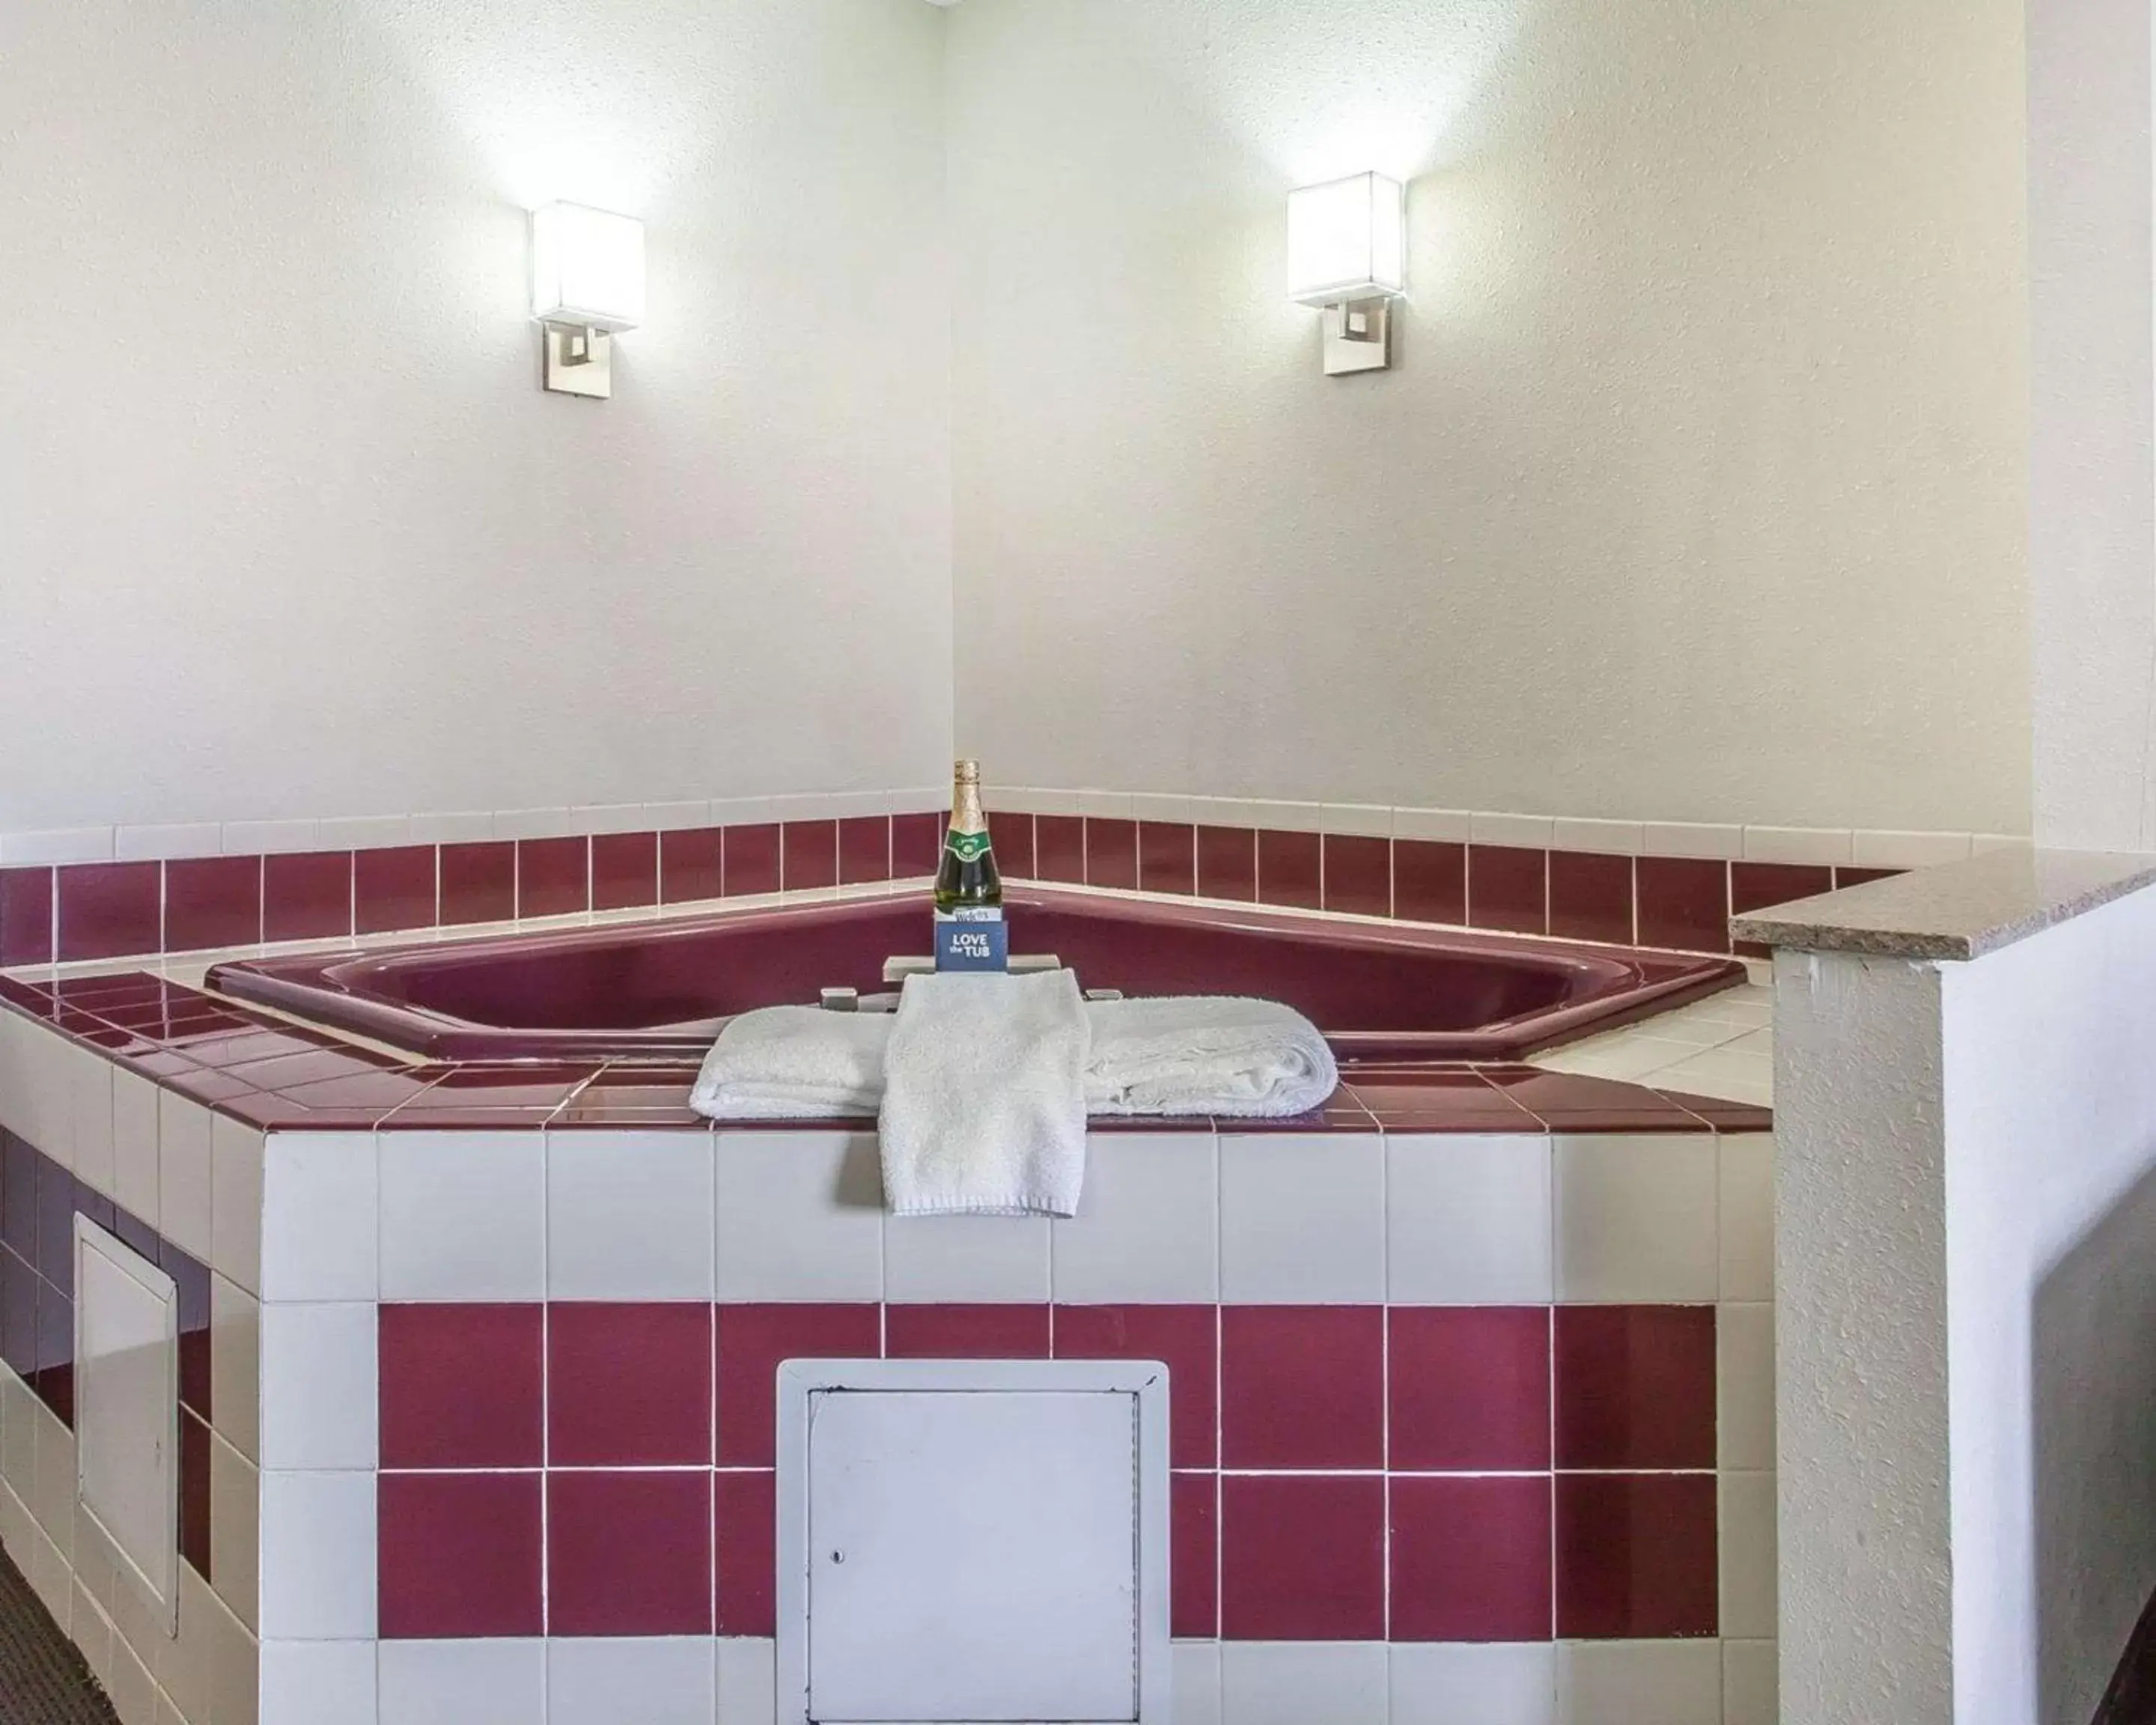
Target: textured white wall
(290, 528)
(1698, 491)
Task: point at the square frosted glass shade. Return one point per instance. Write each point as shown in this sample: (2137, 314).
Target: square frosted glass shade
(1347, 239)
(587, 267)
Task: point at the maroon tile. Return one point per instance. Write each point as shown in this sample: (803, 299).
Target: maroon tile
(1755, 885)
(1058, 848)
(916, 843)
(1227, 863)
(306, 897)
(1302, 1558)
(1723, 1115)
(1112, 853)
(1358, 875)
(752, 859)
(1684, 903)
(1635, 1555)
(1590, 897)
(1193, 1509)
(1508, 888)
(1471, 1559)
(1470, 1388)
(628, 1554)
(461, 1386)
(459, 1555)
(1430, 881)
(966, 1332)
(809, 854)
(1634, 1386)
(745, 1540)
(109, 910)
(51, 1380)
(26, 915)
(196, 1487)
(553, 876)
(1859, 877)
(1568, 1102)
(1289, 867)
(1431, 1100)
(753, 1340)
(690, 863)
(863, 848)
(212, 901)
(1184, 1339)
(629, 1385)
(625, 870)
(393, 889)
(479, 882)
(1013, 837)
(1302, 1386)
(1167, 856)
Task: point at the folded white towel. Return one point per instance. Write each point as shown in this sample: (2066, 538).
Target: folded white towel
(984, 1096)
(794, 1063)
(1201, 1055)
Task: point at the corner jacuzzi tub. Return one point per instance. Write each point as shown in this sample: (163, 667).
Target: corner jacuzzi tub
(659, 990)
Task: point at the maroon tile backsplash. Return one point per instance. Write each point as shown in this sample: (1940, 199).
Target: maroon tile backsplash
(1167, 856)
(1683, 902)
(26, 916)
(1430, 881)
(306, 897)
(1635, 1387)
(1470, 1388)
(625, 870)
(752, 860)
(553, 876)
(691, 864)
(393, 889)
(109, 910)
(808, 855)
(1291, 866)
(629, 1553)
(1590, 897)
(1471, 1559)
(865, 844)
(983, 1332)
(479, 882)
(1227, 863)
(1358, 875)
(1111, 853)
(1058, 848)
(1302, 1558)
(1508, 889)
(1635, 1555)
(459, 1555)
(212, 901)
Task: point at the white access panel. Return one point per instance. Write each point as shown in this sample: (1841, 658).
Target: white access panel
(126, 1401)
(972, 1541)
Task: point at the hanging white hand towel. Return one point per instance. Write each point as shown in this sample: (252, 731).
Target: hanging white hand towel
(984, 1096)
(794, 1063)
(1205, 1055)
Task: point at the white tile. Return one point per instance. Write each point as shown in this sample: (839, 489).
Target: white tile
(1223, 811)
(1489, 1683)
(50, 1578)
(318, 1386)
(236, 1528)
(1747, 1216)
(1751, 1684)
(1103, 805)
(52, 1499)
(1636, 1216)
(1906, 850)
(91, 1632)
(1364, 820)
(1603, 837)
(320, 1217)
(1302, 1219)
(800, 1216)
(1670, 838)
(235, 1365)
(537, 823)
(748, 1679)
(463, 1682)
(1195, 1682)
(749, 811)
(629, 1215)
(966, 1260)
(19, 1411)
(89, 1114)
(133, 1691)
(1527, 832)
(1983, 844)
(1640, 1683)
(1147, 1229)
(606, 817)
(235, 1674)
(250, 838)
(675, 816)
(134, 1146)
(152, 843)
(235, 1201)
(1300, 1682)
(1796, 844)
(632, 1682)
(317, 1543)
(1747, 1544)
(365, 832)
(1164, 809)
(470, 826)
(1289, 817)
(1444, 826)
(1468, 1220)
(183, 1174)
(1744, 1384)
(67, 845)
(181, 1662)
(1716, 1072)
(464, 1215)
(318, 1683)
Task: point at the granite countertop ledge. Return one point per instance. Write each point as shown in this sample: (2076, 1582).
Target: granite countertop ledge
(1957, 910)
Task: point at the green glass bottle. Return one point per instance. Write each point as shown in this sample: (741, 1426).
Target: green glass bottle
(967, 878)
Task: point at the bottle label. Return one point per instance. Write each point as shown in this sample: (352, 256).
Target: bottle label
(966, 847)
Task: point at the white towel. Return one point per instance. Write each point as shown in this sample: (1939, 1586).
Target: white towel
(1201, 1055)
(984, 1097)
(794, 1063)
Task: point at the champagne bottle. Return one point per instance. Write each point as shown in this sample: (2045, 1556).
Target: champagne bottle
(967, 878)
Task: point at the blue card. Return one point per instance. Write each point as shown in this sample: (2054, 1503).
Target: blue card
(972, 946)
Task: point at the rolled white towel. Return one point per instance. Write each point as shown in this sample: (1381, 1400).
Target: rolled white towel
(1205, 1055)
(794, 1063)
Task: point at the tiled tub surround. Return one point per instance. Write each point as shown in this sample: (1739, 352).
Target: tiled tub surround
(1429, 1322)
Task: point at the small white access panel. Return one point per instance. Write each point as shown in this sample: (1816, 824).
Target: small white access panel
(127, 1402)
(972, 1541)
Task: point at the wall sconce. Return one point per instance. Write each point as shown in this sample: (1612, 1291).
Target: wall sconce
(586, 284)
(1346, 252)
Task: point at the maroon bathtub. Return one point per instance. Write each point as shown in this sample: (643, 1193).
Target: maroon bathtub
(658, 990)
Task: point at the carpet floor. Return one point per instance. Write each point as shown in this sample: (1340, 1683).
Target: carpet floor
(42, 1679)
